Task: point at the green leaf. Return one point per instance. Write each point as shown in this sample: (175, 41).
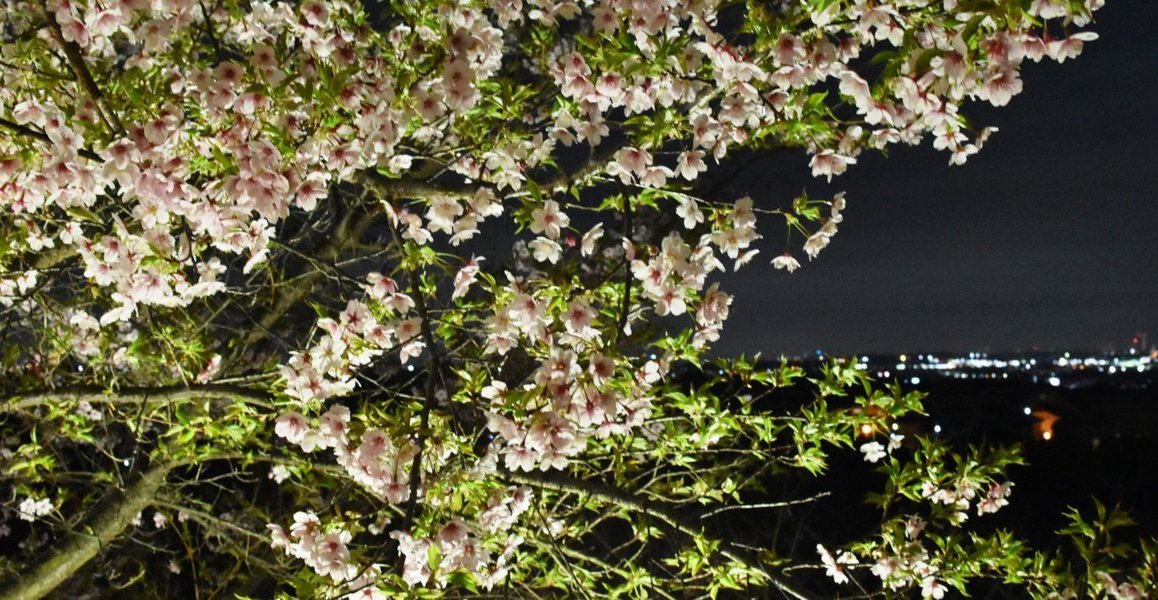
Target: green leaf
(433, 557)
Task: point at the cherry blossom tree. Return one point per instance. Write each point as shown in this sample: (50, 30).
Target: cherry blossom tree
(382, 299)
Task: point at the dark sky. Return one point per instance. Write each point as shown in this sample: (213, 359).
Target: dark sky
(1047, 238)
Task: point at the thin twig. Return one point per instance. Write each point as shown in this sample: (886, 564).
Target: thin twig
(41, 136)
(760, 505)
(627, 276)
(673, 519)
(433, 372)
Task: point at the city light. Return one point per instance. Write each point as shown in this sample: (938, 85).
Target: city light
(1070, 370)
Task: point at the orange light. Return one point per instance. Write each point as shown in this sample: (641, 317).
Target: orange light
(1043, 424)
(866, 429)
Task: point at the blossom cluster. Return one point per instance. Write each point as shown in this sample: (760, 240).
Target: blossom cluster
(278, 158)
(963, 493)
(460, 549)
(550, 420)
(909, 563)
(31, 508)
(361, 333)
(326, 552)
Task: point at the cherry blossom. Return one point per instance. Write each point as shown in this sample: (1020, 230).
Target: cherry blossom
(834, 566)
(787, 262)
(323, 175)
(31, 508)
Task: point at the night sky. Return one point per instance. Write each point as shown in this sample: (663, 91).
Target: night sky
(1048, 238)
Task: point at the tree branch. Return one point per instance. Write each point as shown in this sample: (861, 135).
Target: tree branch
(387, 187)
(104, 525)
(340, 238)
(625, 305)
(210, 521)
(434, 371)
(41, 136)
(151, 395)
(723, 509)
(72, 52)
(562, 483)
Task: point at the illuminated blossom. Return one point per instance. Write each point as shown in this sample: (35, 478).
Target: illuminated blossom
(873, 451)
(549, 220)
(931, 588)
(786, 261)
(292, 426)
(31, 508)
(834, 566)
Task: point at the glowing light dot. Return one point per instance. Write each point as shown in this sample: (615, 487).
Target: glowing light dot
(1047, 435)
(1026, 410)
(936, 429)
(866, 429)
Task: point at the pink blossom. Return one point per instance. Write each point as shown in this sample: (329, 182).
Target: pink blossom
(578, 319)
(31, 508)
(834, 567)
(548, 220)
(829, 163)
(466, 277)
(931, 588)
(786, 261)
(690, 164)
(292, 426)
(334, 424)
(545, 250)
(1001, 87)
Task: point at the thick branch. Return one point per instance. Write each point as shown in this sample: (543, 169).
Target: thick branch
(151, 395)
(53, 257)
(386, 187)
(103, 525)
(665, 514)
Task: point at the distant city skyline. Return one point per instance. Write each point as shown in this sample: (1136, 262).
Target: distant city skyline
(1048, 238)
